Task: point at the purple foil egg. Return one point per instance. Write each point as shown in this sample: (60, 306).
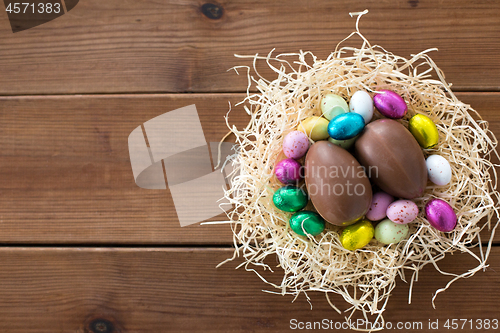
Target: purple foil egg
(390, 104)
(288, 171)
(440, 215)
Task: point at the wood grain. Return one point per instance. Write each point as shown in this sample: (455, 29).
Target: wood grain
(180, 290)
(119, 46)
(66, 174)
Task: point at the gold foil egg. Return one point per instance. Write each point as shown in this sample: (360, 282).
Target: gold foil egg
(357, 235)
(424, 130)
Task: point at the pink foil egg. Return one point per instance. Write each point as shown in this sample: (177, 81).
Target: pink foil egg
(390, 104)
(402, 211)
(295, 144)
(440, 215)
(288, 171)
(378, 208)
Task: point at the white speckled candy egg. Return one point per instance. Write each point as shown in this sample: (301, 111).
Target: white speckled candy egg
(388, 232)
(295, 144)
(438, 169)
(402, 211)
(361, 102)
(332, 105)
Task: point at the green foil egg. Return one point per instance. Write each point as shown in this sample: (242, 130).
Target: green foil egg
(310, 222)
(424, 130)
(357, 235)
(290, 199)
(388, 232)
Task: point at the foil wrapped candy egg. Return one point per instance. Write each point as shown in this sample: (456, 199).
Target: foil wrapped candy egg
(424, 130)
(440, 215)
(358, 235)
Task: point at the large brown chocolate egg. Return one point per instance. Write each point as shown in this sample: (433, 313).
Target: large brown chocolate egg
(393, 158)
(337, 184)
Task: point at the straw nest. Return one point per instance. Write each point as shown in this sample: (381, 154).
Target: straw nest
(365, 277)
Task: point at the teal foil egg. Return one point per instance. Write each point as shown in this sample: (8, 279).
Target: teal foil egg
(310, 222)
(290, 199)
(346, 126)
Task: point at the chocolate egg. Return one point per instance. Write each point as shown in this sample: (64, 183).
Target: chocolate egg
(393, 158)
(337, 184)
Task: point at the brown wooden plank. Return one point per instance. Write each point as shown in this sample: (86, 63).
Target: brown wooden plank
(180, 290)
(66, 176)
(164, 46)
(65, 160)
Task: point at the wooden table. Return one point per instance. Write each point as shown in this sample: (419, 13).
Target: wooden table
(83, 249)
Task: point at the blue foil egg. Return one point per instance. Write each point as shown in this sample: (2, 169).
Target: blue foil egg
(346, 126)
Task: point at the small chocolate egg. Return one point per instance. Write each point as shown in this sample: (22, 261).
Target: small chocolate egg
(388, 232)
(288, 171)
(438, 169)
(346, 144)
(295, 144)
(310, 222)
(357, 235)
(332, 105)
(424, 130)
(337, 184)
(314, 127)
(346, 126)
(402, 211)
(392, 158)
(378, 208)
(290, 198)
(440, 215)
(361, 102)
(390, 104)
